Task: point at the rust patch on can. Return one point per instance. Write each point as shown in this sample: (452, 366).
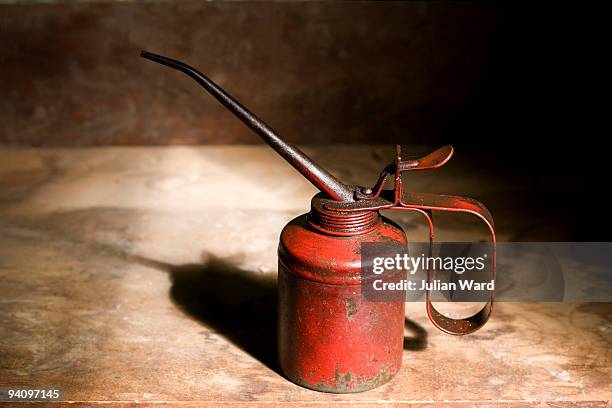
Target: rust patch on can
(351, 308)
(350, 382)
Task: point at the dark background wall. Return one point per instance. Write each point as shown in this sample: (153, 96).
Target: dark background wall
(318, 72)
(344, 72)
(473, 73)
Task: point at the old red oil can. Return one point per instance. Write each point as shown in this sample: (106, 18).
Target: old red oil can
(330, 337)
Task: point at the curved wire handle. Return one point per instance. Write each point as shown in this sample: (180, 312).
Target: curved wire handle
(449, 325)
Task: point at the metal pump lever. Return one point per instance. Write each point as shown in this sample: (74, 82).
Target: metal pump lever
(319, 177)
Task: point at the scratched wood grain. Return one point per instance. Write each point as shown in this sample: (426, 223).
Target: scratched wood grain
(147, 275)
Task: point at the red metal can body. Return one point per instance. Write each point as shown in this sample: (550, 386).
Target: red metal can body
(330, 337)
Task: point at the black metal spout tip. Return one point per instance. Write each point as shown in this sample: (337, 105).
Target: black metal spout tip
(149, 55)
(160, 59)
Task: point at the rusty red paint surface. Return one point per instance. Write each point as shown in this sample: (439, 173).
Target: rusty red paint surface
(330, 337)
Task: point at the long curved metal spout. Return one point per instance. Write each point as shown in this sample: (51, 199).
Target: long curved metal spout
(319, 177)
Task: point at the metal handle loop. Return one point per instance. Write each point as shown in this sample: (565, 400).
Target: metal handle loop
(425, 204)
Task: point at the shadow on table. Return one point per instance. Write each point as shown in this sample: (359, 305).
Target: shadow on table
(239, 304)
(418, 336)
(236, 303)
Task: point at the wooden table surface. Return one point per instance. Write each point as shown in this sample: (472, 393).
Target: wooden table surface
(148, 275)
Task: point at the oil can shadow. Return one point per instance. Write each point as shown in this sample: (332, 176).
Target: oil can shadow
(238, 304)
